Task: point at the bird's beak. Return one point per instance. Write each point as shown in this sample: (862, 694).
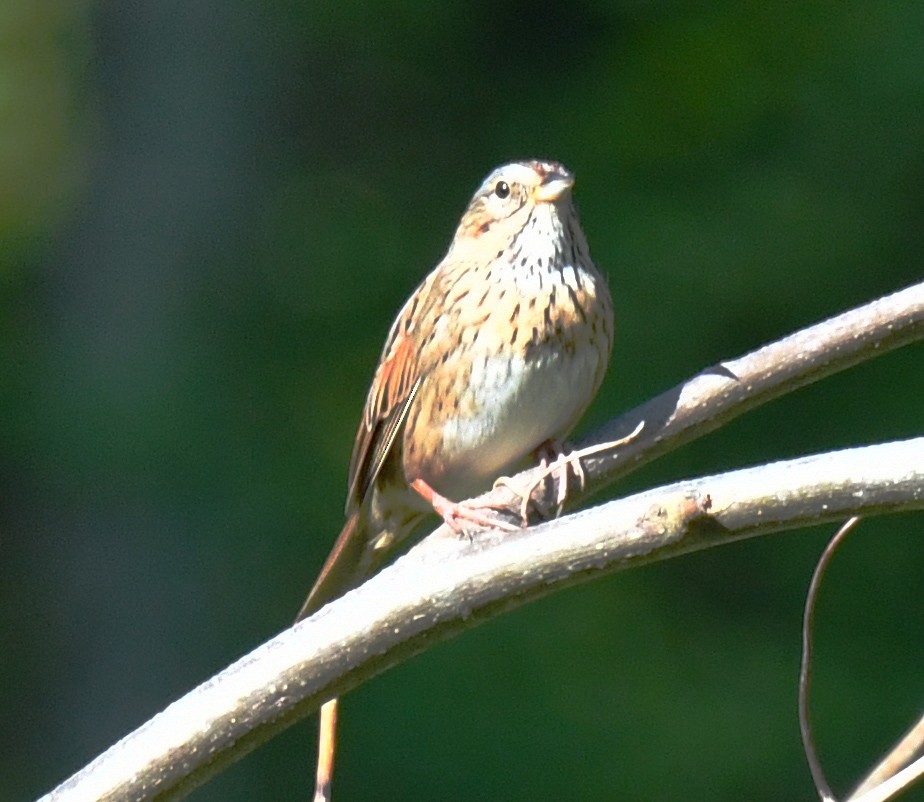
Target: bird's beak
(553, 186)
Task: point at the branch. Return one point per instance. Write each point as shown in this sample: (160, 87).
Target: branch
(899, 757)
(444, 586)
(341, 646)
(723, 392)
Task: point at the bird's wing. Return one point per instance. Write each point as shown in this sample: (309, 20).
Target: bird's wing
(396, 382)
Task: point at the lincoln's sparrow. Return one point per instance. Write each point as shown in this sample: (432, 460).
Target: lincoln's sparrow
(496, 354)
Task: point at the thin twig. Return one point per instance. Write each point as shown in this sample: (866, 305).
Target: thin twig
(805, 669)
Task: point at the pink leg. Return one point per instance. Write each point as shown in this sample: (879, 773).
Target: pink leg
(453, 513)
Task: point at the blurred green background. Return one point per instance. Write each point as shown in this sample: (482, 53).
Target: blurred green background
(210, 213)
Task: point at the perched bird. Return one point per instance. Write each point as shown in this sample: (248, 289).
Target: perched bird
(494, 357)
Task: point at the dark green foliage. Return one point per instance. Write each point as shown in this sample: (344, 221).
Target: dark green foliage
(210, 213)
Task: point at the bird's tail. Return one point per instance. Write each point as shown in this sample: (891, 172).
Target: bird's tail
(342, 569)
(339, 574)
(353, 558)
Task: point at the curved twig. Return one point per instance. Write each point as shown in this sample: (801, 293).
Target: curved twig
(805, 667)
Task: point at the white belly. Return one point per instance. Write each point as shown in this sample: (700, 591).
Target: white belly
(522, 404)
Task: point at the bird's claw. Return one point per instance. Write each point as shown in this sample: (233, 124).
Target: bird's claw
(561, 462)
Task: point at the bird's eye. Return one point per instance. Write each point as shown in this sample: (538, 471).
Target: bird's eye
(502, 189)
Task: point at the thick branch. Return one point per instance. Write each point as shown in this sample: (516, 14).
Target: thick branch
(445, 585)
(334, 651)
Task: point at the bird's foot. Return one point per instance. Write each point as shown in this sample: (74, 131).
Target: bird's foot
(553, 461)
(455, 513)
